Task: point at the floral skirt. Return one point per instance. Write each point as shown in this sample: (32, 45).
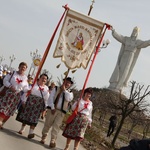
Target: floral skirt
(76, 129)
(32, 111)
(9, 103)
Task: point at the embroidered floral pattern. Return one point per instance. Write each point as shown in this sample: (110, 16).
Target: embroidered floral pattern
(31, 113)
(9, 103)
(77, 127)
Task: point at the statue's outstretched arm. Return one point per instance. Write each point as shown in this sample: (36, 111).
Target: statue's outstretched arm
(117, 36)
(143, 44)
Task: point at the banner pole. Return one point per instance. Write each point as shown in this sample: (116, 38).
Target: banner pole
(94, 57)
(49, 45)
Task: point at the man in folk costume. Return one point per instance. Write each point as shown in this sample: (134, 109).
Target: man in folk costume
(56, 109)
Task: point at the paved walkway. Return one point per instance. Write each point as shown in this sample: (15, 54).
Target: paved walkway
(11, 140)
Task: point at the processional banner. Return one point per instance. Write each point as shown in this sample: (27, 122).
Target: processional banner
(77, 40)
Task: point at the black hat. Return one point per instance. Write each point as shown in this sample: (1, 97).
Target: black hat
(69, 79)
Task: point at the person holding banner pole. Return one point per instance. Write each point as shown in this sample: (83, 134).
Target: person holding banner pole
(56, 109)
(33, 105)
(75, 130)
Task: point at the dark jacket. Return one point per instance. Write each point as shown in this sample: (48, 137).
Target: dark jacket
(136, 144)
(113, 120)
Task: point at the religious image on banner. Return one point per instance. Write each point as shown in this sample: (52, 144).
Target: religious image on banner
(77, 40)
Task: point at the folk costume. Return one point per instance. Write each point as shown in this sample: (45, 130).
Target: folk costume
(54, 120)
(77, 128)
(35, 104)
(10, 101)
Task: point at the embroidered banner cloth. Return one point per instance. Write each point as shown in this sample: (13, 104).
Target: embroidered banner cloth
(77, 40)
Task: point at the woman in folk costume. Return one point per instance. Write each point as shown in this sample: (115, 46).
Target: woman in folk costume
(15, 82)
(76, 129)
(33, 105)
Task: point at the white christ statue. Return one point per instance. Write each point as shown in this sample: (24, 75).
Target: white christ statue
(127, 58)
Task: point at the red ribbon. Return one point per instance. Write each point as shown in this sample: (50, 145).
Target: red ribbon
(86, 105)
(18, 81)
(41, 89)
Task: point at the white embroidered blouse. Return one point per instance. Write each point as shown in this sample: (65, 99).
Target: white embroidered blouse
(19, 82)
(36, 91)
(85, 107)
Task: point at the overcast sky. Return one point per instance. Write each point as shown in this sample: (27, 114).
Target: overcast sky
(28, 25)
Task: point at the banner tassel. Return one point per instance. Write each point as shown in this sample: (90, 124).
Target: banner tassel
(58, 66)
(73, 71)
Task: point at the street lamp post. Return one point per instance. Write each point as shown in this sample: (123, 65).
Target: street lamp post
(34, 56)
(12, 58)
(45, 71)
(1, 59)
(105, 44)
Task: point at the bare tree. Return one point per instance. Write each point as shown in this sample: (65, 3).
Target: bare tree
(126, 106)
(100, 104)
(135, 119)
(146, 128)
